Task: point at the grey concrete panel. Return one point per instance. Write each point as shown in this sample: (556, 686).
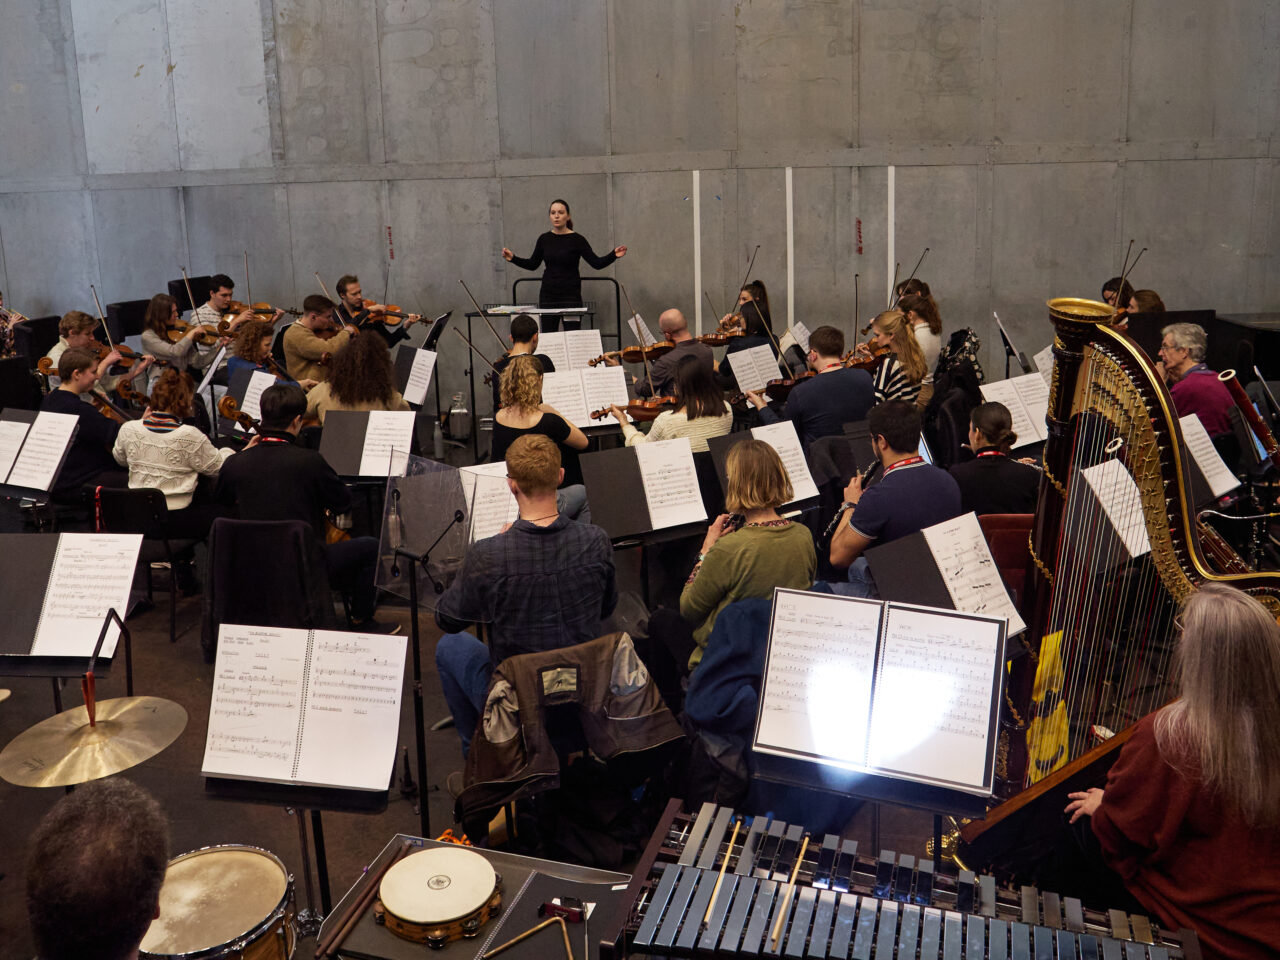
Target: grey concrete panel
(762, 219)
(524, 216)
(870, 205)
(1199, 246)
(37, 95)
(553, 79)
(1267, 291)
(654, 212)
(719, 236)
(122, 57)
(138, 234)
(338, 228)
(825, 231)
(795, 74)
(1058, 71)
(1199, 69)
(223, 223)
(920, 72)
(219, 83)
(674, 76)
(439, 81)
(1053, 229)
(328, 64)
(49, 252)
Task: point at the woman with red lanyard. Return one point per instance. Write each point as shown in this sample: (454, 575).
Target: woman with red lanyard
(993, 482)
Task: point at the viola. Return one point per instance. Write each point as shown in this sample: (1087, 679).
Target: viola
(721, 337)
(778, 390)
(636, 354)
(641, 410)
(854, 360)
(235, 308)
(208, 337)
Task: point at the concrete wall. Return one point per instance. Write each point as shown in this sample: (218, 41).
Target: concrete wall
(1029, 140)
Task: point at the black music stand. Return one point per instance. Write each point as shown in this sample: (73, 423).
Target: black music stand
(63, 668)
(1010, 352)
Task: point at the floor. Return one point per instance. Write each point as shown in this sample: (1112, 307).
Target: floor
(179, 673)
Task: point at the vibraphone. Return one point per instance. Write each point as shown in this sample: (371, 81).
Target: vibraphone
(843, 904)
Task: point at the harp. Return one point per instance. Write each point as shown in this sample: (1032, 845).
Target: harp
(1116, 549)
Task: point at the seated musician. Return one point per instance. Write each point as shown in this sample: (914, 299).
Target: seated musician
(352, 310)
(251, 350)
(1146, 301)
(275, 479)
(524, 340)
(1194, 387)
(1189, 820)
(523, 413)
(926, 324)
(660, 377)
(753, 292)
(311, 340)
(993, 482)
(182, 354)
(75, 329)
(95, 866)
(8, 320)
(218, 306)
(910, 496)
(1117, 291)
(166, 454)
(900, 374)
(700, 412)
(89, 460)
(360, 378)
(822, 405)
(543, 583)
(755, 334)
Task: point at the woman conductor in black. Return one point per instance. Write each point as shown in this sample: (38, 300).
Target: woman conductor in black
(561, 248)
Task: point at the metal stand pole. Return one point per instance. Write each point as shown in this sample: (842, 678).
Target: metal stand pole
(419, 724)
(322, 862)
(308, 920)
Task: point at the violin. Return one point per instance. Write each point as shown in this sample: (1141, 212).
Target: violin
(778, 390)
(636, 354)
(257, 309)
(174, 332)
(642, 411)
(869, 362)
(389, 314)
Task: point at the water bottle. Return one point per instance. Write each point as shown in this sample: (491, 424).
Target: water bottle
(459, 419)
(437, 441)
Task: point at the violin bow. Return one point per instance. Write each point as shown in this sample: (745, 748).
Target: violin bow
(747, 276)
(640, 340)
(248, 290)
(106, 332)
(468, 342)
(898, 298)
(894, 289)
(1124, 276)
(186, 282)
(479, 308)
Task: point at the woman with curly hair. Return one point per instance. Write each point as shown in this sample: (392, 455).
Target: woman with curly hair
(361, 378)
(523, 412)
(250, 349)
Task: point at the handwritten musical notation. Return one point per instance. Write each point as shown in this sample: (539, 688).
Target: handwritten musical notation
(964, 559)
(386, 443)
(670, 483)
(783, 438)
(42, 450)
(92, 573)
(419, 379)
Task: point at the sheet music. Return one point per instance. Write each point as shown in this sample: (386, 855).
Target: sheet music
(553, 346)
(490, 503)
(1044, 363)
(581, 346)
(602, 386)
(563, 390)
(670, 483)
(931, 713)
(212, 369)
(351, 721)
(1008, 339)
(387, 431)
(91, 574)
(798, 334)
(256, 700)
(754, 367)
(969, 571)
(258, 382)
(818, 681)
(1120, 498)
(1216, 474)
(640, 330)
(419, 381)
(12, 433)
(1027, 398)
(46, 443)
(782, 437)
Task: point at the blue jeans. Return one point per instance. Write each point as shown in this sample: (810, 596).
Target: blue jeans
(463, 664)
(860, 582)
(572, 502)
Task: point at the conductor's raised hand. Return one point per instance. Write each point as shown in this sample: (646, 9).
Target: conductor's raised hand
(620, 252)
(507, 254)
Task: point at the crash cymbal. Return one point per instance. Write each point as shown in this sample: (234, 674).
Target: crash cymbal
(64, 750)
(4, 695)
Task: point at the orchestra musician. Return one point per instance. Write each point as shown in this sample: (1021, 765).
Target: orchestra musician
(911, 495)
(752, 292)
(8, 319)
(1117, 291)
(821, 405)
(360, 378)
(1194, 387)
(545, 582)
(700, 412)
(216, 308)
(926, 324)
(312, 338)
(274, 478)
(561, 248)
(75, 329)
(993, 482)
(662, 372)
(89, 460)
(353, 310)
(523, 413)
(1189, 821)
(251, 350)
(899, 375)
(1146, 301)
(94, 870)
(524, 340)
(160, 319)
(755, 334)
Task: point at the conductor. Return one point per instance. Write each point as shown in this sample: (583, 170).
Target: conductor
(561, 248)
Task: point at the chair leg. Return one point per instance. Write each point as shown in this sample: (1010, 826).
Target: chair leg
(173, 594)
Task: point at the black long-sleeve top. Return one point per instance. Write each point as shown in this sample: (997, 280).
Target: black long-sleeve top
(561, 283)
(90, 452)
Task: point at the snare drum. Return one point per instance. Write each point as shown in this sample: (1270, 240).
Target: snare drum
(438, 895)
(233, 902)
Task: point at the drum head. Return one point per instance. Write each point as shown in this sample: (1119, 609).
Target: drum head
(211, 897)
(437, 886)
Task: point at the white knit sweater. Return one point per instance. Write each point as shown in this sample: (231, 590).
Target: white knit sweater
(169, 462)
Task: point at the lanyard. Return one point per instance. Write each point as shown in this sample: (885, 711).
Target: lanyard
(903, 463)
(990, 453)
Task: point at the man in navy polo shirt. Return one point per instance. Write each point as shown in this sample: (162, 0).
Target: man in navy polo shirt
(912, 495)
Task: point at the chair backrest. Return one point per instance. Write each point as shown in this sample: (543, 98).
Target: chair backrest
(18, 385)
(199, 290)
(277, 347)
(951, 428)
(126, 318)
(35, 338)
(141, 510)
(1008, 536)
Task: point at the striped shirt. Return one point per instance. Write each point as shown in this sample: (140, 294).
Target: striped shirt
(891, 382)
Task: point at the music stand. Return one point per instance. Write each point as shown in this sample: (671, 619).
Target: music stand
(1010, 352)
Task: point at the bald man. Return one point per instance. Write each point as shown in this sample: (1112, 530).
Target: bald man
(675, 328)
